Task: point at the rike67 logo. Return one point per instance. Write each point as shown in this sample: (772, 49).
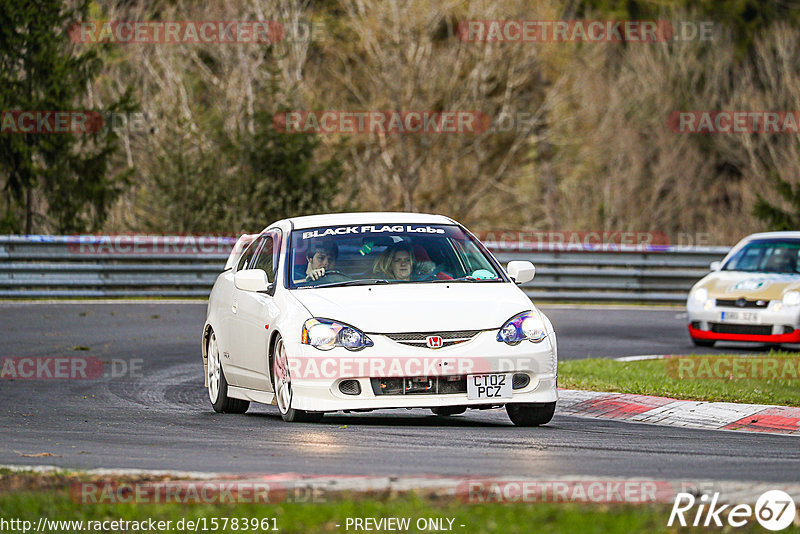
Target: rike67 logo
(774, 510)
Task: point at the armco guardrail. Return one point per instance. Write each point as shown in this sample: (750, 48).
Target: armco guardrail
(186, 266)
(110, 266)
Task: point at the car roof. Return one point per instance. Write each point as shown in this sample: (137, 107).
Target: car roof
(773, 235)
(378, 217)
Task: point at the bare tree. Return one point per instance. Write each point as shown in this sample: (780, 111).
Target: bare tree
(408, 56)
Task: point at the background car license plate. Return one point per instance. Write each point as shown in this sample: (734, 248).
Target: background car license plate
(493, 386)
(740, 317)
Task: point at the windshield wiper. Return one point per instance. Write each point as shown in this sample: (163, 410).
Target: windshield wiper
(468, 278)
(362, 282)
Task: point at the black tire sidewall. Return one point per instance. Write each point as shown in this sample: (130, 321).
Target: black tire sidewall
(222, 393)
(530, 415)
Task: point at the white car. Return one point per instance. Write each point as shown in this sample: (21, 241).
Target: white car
(753, 294)
(366, 311)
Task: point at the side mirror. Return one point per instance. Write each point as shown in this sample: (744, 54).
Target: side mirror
(521, 271)
(251, 280)
(715, 265)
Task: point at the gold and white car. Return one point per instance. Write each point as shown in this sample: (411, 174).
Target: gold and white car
(753, 294)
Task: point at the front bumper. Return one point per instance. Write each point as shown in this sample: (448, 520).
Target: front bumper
(792, 337)
(319, 398)
(537, 360)
(773, 324)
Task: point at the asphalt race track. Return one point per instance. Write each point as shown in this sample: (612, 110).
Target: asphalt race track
(159, 416)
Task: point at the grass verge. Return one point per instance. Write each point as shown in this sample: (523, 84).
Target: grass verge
(32, 496)
(729, 378)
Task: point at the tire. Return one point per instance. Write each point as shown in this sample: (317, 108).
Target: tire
(444, 411)
(282, 385)
(218, 385)
(703, 342)
(531, 414)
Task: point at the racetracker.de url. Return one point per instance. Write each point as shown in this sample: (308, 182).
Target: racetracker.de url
(201, 524)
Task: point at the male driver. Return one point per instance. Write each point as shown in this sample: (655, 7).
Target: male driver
(321, 256)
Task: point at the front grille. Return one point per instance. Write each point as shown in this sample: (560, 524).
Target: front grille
(419, 339)
(749, 329)
(426, 385)
(742, 303)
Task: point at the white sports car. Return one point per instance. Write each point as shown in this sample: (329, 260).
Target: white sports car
(365, 311)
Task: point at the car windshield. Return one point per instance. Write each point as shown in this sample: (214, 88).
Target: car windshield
(387, 254)
(767, 256)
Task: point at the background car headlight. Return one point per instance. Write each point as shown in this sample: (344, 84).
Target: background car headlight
(325, 334)
(791, 298)
(700, 295)
(527, 325)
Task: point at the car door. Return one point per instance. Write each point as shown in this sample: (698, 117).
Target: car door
(229, 314)
(254, 313)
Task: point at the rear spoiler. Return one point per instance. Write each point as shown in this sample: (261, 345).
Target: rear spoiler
(238, 249)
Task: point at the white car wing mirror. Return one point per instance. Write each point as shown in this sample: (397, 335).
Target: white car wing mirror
(715, 265)
(521, 271)
(251, 280)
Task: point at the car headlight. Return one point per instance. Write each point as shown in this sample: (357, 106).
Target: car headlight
(700, 295)
(325, 334)
(527, 325)
(791, 298)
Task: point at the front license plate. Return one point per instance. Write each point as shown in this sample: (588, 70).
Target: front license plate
(493, 386)
(740, 317)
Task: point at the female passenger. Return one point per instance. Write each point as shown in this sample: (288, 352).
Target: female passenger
(396, 262)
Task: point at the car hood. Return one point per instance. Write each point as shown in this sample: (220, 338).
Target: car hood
(736, 284)
(425, 307)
